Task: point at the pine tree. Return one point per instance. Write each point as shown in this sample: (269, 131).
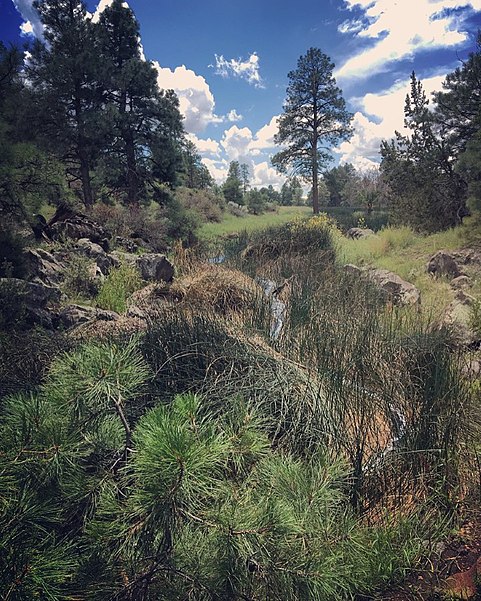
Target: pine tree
(427, 191)
(146, 129)
(314, 119)
(64, 72)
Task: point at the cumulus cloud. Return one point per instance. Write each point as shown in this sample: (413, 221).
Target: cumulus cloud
(26, 29)
(195, 98)
(264, 138)
(236, 142)
(379, 115)
(206, 147)
(264, 175)
(218, 168)
(398, 30)
(233, 116)
(243, 69)
(32, 24)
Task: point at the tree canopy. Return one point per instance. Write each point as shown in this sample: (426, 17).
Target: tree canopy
(314, 120)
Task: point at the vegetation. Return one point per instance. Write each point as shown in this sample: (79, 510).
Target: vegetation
(314, 116)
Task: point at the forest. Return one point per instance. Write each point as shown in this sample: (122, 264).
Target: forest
(212, 390)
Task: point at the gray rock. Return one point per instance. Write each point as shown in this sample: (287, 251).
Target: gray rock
(43, 267)
(352, 269)
(94, 251)
(357, 233)
(461, 282)
(73, 315)
(443, 264)
(397, 290)
(155, 267)
(472, 369)
(37, 299)
(126, 244)
(458, 319)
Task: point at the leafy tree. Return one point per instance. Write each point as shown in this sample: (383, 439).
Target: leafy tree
(314, 119)
(286, 194)
(63, 70)
(145, 122)
(427, 191)
(256, 201)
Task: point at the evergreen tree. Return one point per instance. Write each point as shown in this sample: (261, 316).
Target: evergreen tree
(232, 187)
(146, 128)
(296, 190)
(64, 74)
(196, 174)
(314, 119)
(427, 191)
(286, 194)
(337, 181)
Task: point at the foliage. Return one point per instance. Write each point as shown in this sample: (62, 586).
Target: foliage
(428, 193)
(117, 287)
(233, 185)
(11, 250)
(205, 203)
(314, 117)
(79, 278)
(196, 175)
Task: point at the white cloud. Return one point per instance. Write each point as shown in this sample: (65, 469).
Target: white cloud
(195, 98)
(379, 116)
(264, 138)
(264, 175)
(26, 28)
(233, 116)
(236, 142)
(32, 24)
(243, 69)
(207, 146)
(400, 29)
(217, 168)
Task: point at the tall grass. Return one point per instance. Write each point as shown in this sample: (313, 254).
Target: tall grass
(117, 287)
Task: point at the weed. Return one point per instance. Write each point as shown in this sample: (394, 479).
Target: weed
(117, 287)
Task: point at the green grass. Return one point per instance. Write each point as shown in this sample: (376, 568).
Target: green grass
(250, 223)
(405, 252)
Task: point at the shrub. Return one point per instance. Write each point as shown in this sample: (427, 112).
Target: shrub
(204, 203)
(11, 251)
(117, 287)
(79, 278)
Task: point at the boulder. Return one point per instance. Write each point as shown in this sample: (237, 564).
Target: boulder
(352, 269)
(467, 256)
(73, 315)
(443, 264)
(357, 233)
(126, 244)
(396, 290)
(66, 223)
(94, 251)
(43, 268)
(461, 282)
(37, 299)
(155, 267)
(458, 319)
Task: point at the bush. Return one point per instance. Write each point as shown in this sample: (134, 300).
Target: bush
(11, 251)
(117, 287)
(204, 203)
(79, 278)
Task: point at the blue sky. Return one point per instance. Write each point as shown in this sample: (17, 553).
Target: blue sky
(228, 62)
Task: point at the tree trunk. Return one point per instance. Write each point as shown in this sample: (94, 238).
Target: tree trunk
(315, 183)
(132, 180)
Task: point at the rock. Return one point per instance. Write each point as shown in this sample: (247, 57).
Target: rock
(352, 269)
(462, 585)
(37, 298)
(66, 223)
(43, 267)
(94, 251)
(443, 264)
(155, 267)
(458, 317)
(467, 256)
(397, 290)
(126, 244)
(357, 233)
(461, 282)
(72, 316)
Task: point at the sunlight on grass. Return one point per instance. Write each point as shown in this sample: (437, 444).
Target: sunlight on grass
(249, 223)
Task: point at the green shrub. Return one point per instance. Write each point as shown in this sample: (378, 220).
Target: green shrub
(117, 287)
(79, 280)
